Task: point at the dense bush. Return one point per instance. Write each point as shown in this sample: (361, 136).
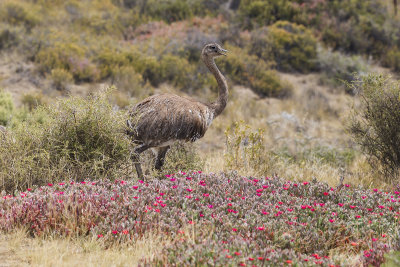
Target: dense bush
(61, 78)
(68, 56)
(291, 46)
(219, 220)
(262, 12)
(375, 125)
(9, 36)
(6, 107)
(74, 138)
(17, 14)
(250, 71)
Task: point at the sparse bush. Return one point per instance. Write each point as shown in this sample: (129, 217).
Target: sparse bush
(291, 46)
(182, 157)
(375, 125)
(77, 138)
(61, 78)
(245, 149)
(338, 69)
(6, 107)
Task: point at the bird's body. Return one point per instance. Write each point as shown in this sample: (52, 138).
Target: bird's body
(166, 118)
(160, 120)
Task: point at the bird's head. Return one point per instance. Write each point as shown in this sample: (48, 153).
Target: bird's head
(213, 50)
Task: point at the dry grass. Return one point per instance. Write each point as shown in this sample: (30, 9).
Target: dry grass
(16, 249)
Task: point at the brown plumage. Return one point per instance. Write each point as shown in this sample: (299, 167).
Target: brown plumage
(160, 120)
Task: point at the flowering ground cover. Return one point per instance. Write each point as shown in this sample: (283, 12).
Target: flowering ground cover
(222, 220)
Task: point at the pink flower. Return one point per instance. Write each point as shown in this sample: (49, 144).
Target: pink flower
(210, 206)
(140, 181)
(188, 178)
(326, 193)
(189, 189)
(347, 185)
(29, 189)
(340, 204)
(172, 179)
(237, 253)
(49, 184)
(261, 228)
(358, 216)
(100, 235)
(331, 220)
(115, 232)
(191, 222)
(265, 186)
(234, 229)
(305, 183)
(352, 207)
(201, 215)
(374, 239)
(135, 187)
(61, 183)
(206, 195)
(375, 189)
(125, 232)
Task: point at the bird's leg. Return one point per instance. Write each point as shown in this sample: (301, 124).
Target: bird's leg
(135, 158)
(161, 157)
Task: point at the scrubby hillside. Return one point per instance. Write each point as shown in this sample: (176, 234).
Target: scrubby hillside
(70, 70)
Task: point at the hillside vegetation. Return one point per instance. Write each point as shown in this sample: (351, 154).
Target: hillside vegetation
(313, 103)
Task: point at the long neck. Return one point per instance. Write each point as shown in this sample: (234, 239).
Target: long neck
(219, 105)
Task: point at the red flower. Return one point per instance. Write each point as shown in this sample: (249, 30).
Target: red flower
(237, 253)
(289, 262)
(29, 189)
(251, 259)
(340, 204)
(326, 193)
(125, 232)
(100, 235)
(228, 256)
(49, 184)
(234, 229)
(115, 232)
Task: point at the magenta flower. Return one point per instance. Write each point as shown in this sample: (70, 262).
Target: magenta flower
(261, 228)
(234, 229)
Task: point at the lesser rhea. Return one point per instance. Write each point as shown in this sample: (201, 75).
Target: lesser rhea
(160, 120)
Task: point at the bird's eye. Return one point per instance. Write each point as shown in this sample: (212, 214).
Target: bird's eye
(213, 47)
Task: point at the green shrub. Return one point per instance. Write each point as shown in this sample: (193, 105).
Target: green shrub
(61, 78)
(17, 14)
(392, 59)
(6, 107)
(264, 12)
(338, 69)
(128, 80)
(67, 56)
(291, 46)
(176, 70)
(248, 70)
(10, 36)
(33, 100)
(375, 125)
(75, 138)
(169, 10)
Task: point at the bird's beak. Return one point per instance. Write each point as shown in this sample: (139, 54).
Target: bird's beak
(223, 52)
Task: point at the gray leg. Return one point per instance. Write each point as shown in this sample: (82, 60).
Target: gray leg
(161, 157)
(135, 157)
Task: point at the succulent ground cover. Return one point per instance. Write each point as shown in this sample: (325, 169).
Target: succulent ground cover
(218, 219)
